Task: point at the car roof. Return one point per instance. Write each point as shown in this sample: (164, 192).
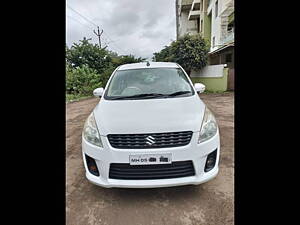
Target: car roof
(143, 65)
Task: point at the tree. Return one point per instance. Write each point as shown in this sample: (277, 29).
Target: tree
(163, 56)
(88, 54)
(190, 51)
(120, 60)
(89, 67)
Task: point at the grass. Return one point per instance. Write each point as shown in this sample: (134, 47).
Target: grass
(216, 92)
(73, 98)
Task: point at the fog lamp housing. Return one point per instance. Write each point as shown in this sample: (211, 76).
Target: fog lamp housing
(210, 161)
(92, 166)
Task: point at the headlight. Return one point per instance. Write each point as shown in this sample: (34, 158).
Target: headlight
(209, 126)
(90, 131)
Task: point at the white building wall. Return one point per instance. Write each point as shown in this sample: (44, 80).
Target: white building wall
(216, 21)
(210, 71)
(215, 25)
(222, 5)
(185, 25)
(218, 24)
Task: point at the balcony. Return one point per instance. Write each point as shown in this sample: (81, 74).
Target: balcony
(193, 15)
(229, 38)
(196, 5)
(185, 5)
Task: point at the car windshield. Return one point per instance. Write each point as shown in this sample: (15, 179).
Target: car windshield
(148, 83)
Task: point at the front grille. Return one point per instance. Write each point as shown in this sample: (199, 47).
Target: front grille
(125, 171)
(150, 140)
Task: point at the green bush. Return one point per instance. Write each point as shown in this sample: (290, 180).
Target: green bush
(189, 51)
(89, 67)
(82, 80)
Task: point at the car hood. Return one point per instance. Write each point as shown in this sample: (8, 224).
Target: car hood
(149, 115)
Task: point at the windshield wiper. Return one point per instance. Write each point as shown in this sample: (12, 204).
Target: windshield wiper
(150, 95)
(179, 93)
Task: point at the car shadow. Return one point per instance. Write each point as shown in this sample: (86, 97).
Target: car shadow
(177, 193)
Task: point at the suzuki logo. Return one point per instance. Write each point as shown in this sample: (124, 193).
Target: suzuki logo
(150, 140)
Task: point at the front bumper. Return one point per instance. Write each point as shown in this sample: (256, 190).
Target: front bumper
(193, 151)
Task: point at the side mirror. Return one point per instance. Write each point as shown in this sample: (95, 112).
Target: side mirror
(200, 88)
(98, 92)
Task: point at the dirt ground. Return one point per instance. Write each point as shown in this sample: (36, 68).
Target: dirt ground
(209, 203)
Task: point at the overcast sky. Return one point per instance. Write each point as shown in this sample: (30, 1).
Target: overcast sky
(138, 27)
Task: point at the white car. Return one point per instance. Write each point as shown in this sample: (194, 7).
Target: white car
(150, 129)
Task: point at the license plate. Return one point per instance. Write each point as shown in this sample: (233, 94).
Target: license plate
(149, 159)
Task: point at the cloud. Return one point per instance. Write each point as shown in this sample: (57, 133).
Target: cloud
(138, 27)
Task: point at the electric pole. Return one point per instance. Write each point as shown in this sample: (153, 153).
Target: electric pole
(99, 35)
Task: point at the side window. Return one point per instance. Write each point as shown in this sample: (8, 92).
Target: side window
(182, 75)
(184, 86)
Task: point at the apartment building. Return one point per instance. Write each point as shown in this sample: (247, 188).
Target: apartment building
(214, 20)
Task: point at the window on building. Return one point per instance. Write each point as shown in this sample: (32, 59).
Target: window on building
(216, 8)
(230, 27)
(201, 26)
(213, 44)
(198, 25)
(228, 58)
(201, 6)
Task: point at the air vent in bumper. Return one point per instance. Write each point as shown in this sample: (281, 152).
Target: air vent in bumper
(125, 171)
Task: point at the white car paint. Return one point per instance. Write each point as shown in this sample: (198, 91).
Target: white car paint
(150, 116)
(139, 116)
